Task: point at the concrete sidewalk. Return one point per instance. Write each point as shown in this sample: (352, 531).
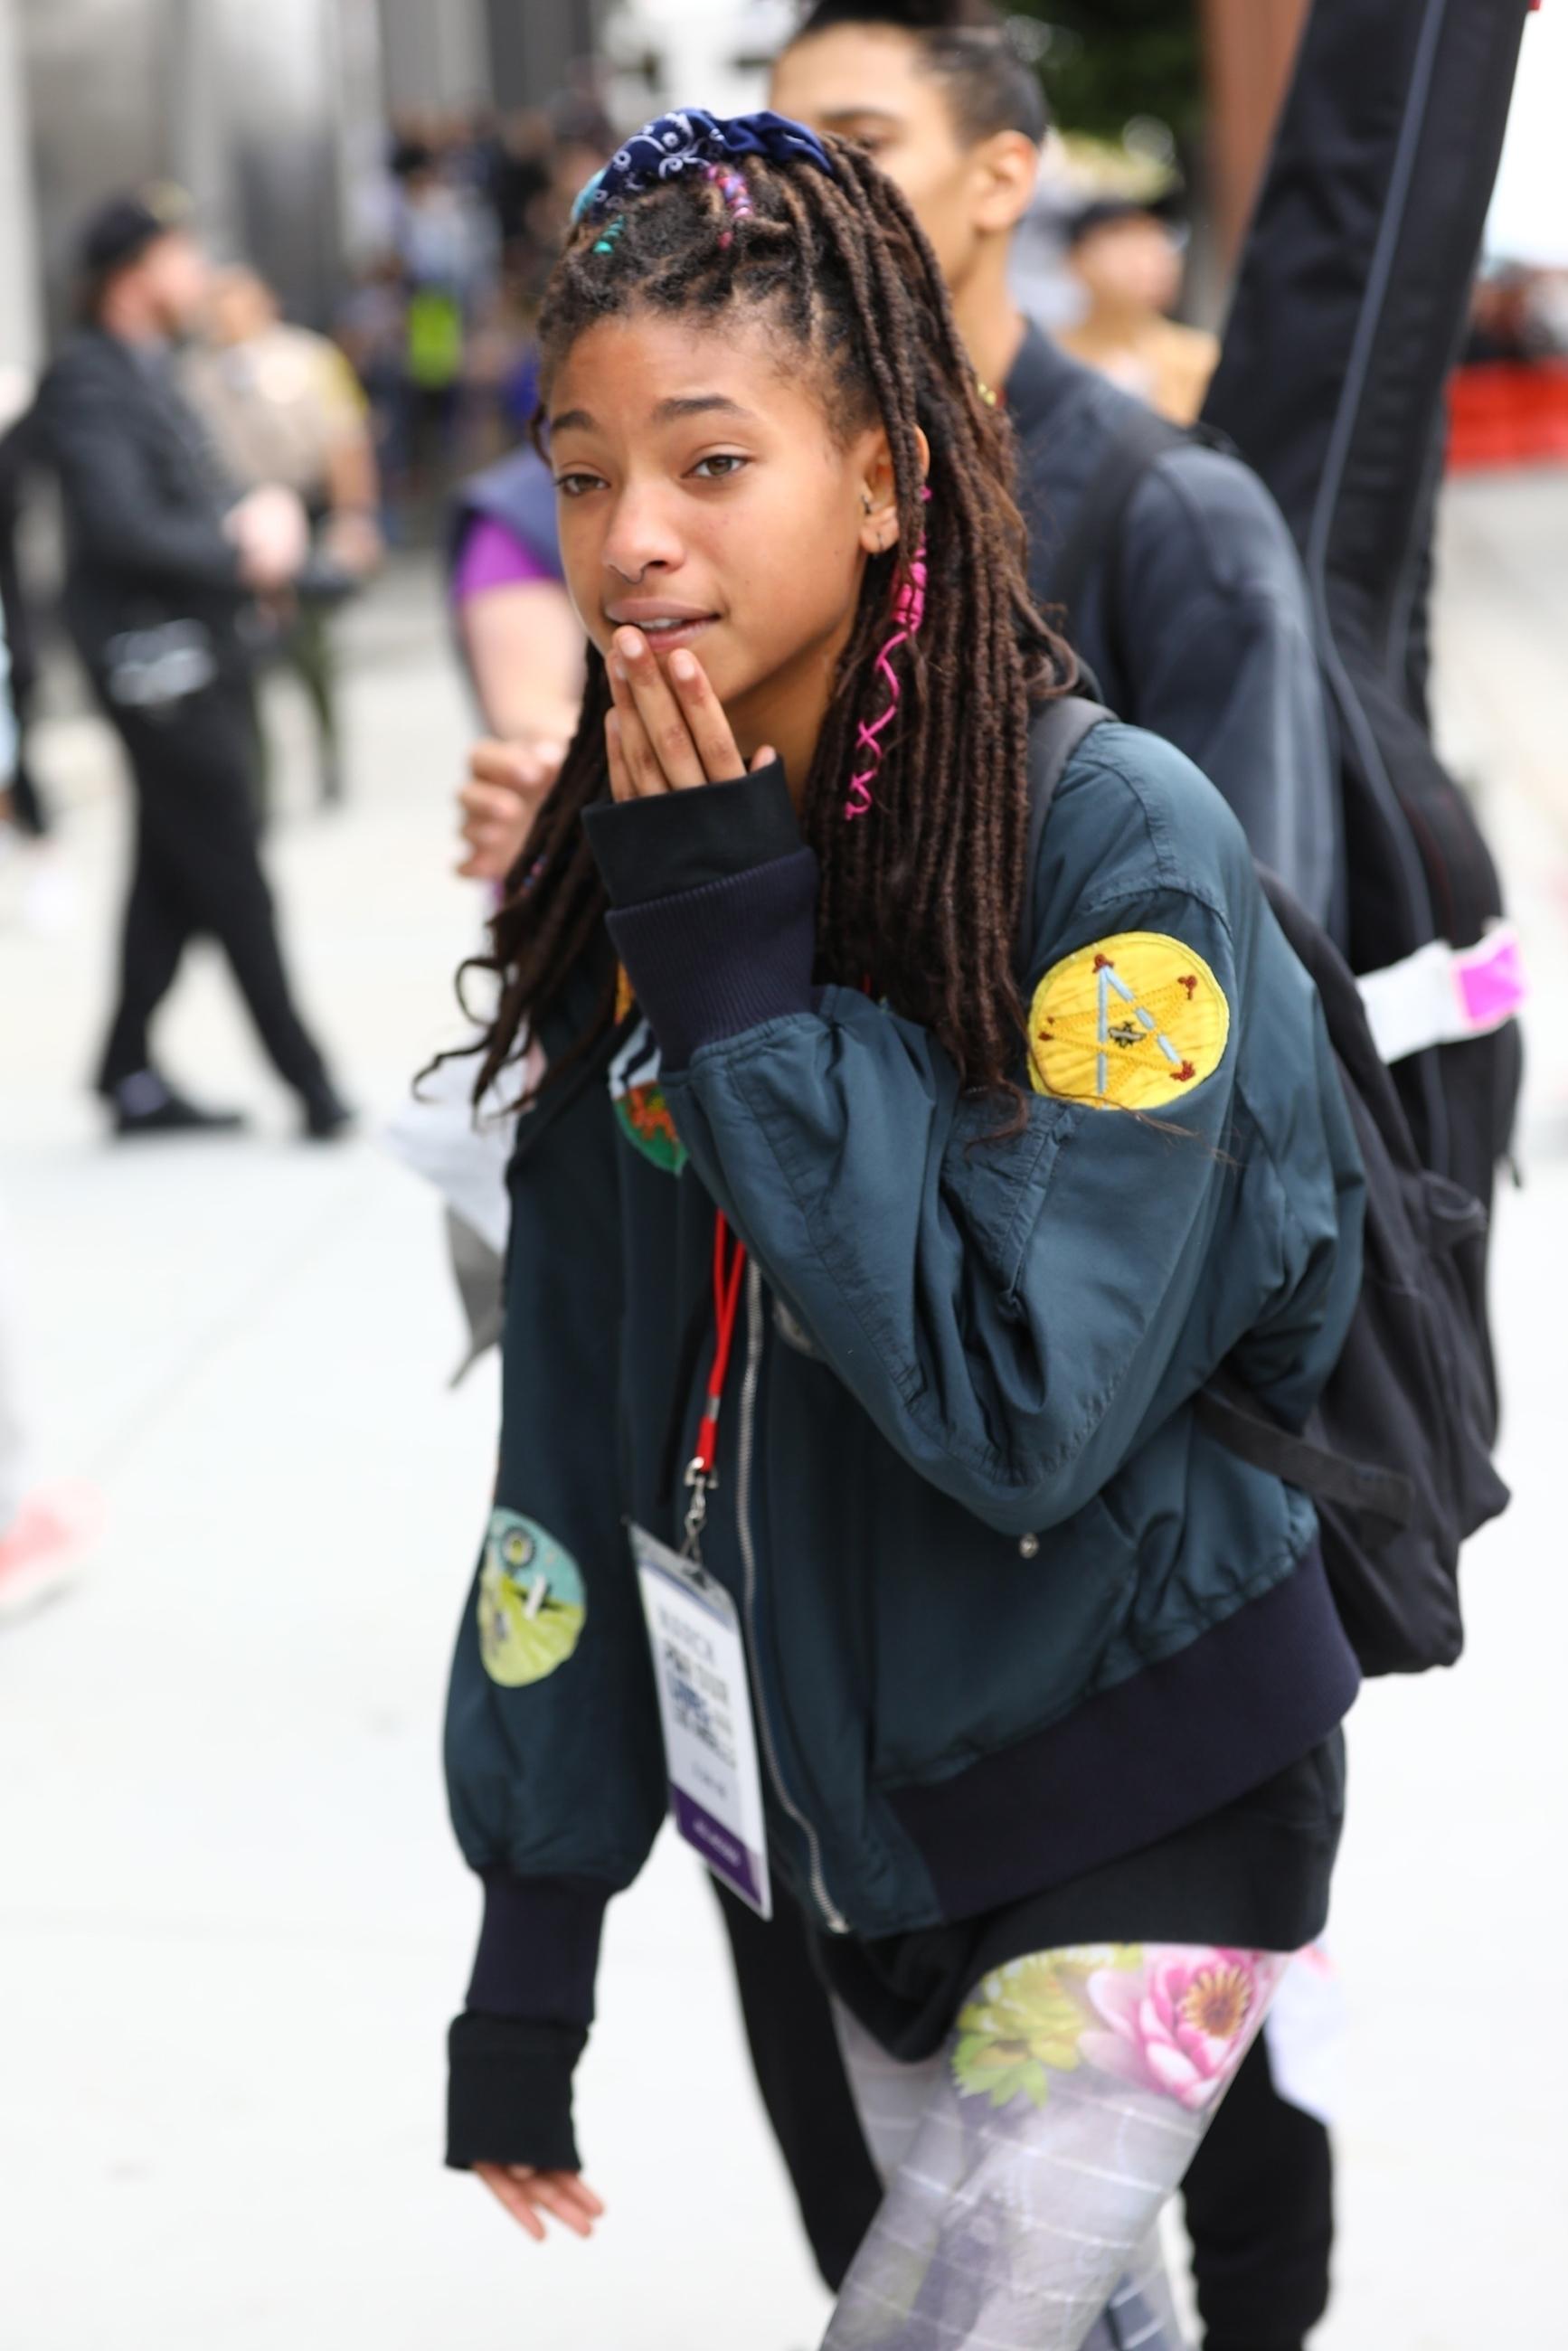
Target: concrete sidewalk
(233, 1923)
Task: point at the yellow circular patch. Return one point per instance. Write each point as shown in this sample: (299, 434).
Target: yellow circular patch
(1132, 1022)
(531, 1604)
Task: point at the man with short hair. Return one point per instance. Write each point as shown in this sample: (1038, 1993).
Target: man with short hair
(1194, 614)
(164, 561)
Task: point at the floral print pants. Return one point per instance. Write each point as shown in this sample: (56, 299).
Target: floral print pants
(1027, 2163)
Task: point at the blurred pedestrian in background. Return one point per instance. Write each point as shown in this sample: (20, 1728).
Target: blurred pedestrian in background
(1125, 258)
(39, 889)
(21, 801)
(444, 238)
(283, 405)
(44, 1531)
(165, 558)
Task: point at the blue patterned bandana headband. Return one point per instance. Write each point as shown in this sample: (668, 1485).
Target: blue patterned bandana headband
(690, 140)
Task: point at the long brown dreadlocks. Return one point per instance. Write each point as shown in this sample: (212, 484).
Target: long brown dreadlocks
(920, 896)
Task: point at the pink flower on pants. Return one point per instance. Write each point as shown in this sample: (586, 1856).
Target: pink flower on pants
(1181, 2023)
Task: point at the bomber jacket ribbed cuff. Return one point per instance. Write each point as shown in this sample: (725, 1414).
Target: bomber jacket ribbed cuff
(539, 1948)
(714, 908)
(530, 2002)
(508, 2092)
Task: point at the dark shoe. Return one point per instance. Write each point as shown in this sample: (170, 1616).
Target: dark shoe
(146, 1104)
(327, 1117)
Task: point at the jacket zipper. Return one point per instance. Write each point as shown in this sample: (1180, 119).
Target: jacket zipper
(833, 1920)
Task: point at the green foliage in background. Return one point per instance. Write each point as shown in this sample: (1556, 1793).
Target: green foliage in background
(1106, 61)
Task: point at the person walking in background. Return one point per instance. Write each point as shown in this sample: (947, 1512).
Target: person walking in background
(22, 803)
(1127, 259)
(44, 1531)
(283, 405)
(162, 562)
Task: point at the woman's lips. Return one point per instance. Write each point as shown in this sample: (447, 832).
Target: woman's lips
(665, 636)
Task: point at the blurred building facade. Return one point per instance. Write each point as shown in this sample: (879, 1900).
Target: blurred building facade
(275, 118)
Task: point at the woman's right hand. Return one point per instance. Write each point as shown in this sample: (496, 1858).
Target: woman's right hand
(506, 785)
(528, 2195)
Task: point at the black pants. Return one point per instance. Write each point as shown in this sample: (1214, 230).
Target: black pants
(795, 2055)
(1259, 2196)
(1259, 2212)
(29, 806)
(197, 872)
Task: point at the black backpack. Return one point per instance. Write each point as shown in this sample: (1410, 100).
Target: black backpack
(1351, 301)
(1397, 1452)
(1417, 867)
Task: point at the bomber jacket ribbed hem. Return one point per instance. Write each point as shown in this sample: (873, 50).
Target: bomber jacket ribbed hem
(1150, 1755)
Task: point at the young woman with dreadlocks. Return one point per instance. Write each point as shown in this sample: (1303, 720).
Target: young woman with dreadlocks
(901, 1172)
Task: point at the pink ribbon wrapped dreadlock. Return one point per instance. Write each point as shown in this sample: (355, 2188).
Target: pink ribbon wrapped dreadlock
(907, 614)
(731, 185)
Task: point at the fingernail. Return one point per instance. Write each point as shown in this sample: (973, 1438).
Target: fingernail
(629, 645)
(618, 669)
(612, 724)
(683, 666)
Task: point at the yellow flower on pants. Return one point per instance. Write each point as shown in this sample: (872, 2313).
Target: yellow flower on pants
(1026, 2022)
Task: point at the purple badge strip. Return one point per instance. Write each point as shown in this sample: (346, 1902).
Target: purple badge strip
(724, 1853)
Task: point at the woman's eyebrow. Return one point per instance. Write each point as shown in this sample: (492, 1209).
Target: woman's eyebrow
(698, 404)
(572, 420)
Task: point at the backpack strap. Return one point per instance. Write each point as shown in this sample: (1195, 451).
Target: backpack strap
(1230, 1412)
(1054, 736)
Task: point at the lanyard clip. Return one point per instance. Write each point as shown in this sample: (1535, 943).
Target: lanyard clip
(699, 1478)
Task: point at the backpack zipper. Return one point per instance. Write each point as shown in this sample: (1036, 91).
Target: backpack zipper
(832, 1918)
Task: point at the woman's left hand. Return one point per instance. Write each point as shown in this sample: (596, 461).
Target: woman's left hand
(666, 732)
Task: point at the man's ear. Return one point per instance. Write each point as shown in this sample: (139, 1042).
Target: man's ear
(1006, 167)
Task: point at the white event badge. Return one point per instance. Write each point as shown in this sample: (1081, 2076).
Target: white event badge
(705, 1708)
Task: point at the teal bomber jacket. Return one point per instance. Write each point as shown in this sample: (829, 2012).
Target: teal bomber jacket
(1009, 1612)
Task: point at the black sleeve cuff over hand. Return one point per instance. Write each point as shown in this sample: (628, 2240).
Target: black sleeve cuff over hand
(508, 2092)
(713, 907)
(677, 840)
(530, 2002)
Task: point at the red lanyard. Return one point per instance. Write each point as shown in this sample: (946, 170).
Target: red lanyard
(728, 1267)
(728, 1271)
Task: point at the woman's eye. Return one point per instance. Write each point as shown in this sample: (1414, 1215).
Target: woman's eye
(720, 467)
(573, 486)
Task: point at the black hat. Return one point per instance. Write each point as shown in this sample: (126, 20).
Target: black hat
(120, 231)
(1104, 212)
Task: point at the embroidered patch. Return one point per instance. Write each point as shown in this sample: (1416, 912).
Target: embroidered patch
(1132, 1022)
(639, 1104)
(531, 1603)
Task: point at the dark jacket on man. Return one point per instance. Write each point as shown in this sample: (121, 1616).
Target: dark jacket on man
(1194, 619)
(145, 505)
(145, 500)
